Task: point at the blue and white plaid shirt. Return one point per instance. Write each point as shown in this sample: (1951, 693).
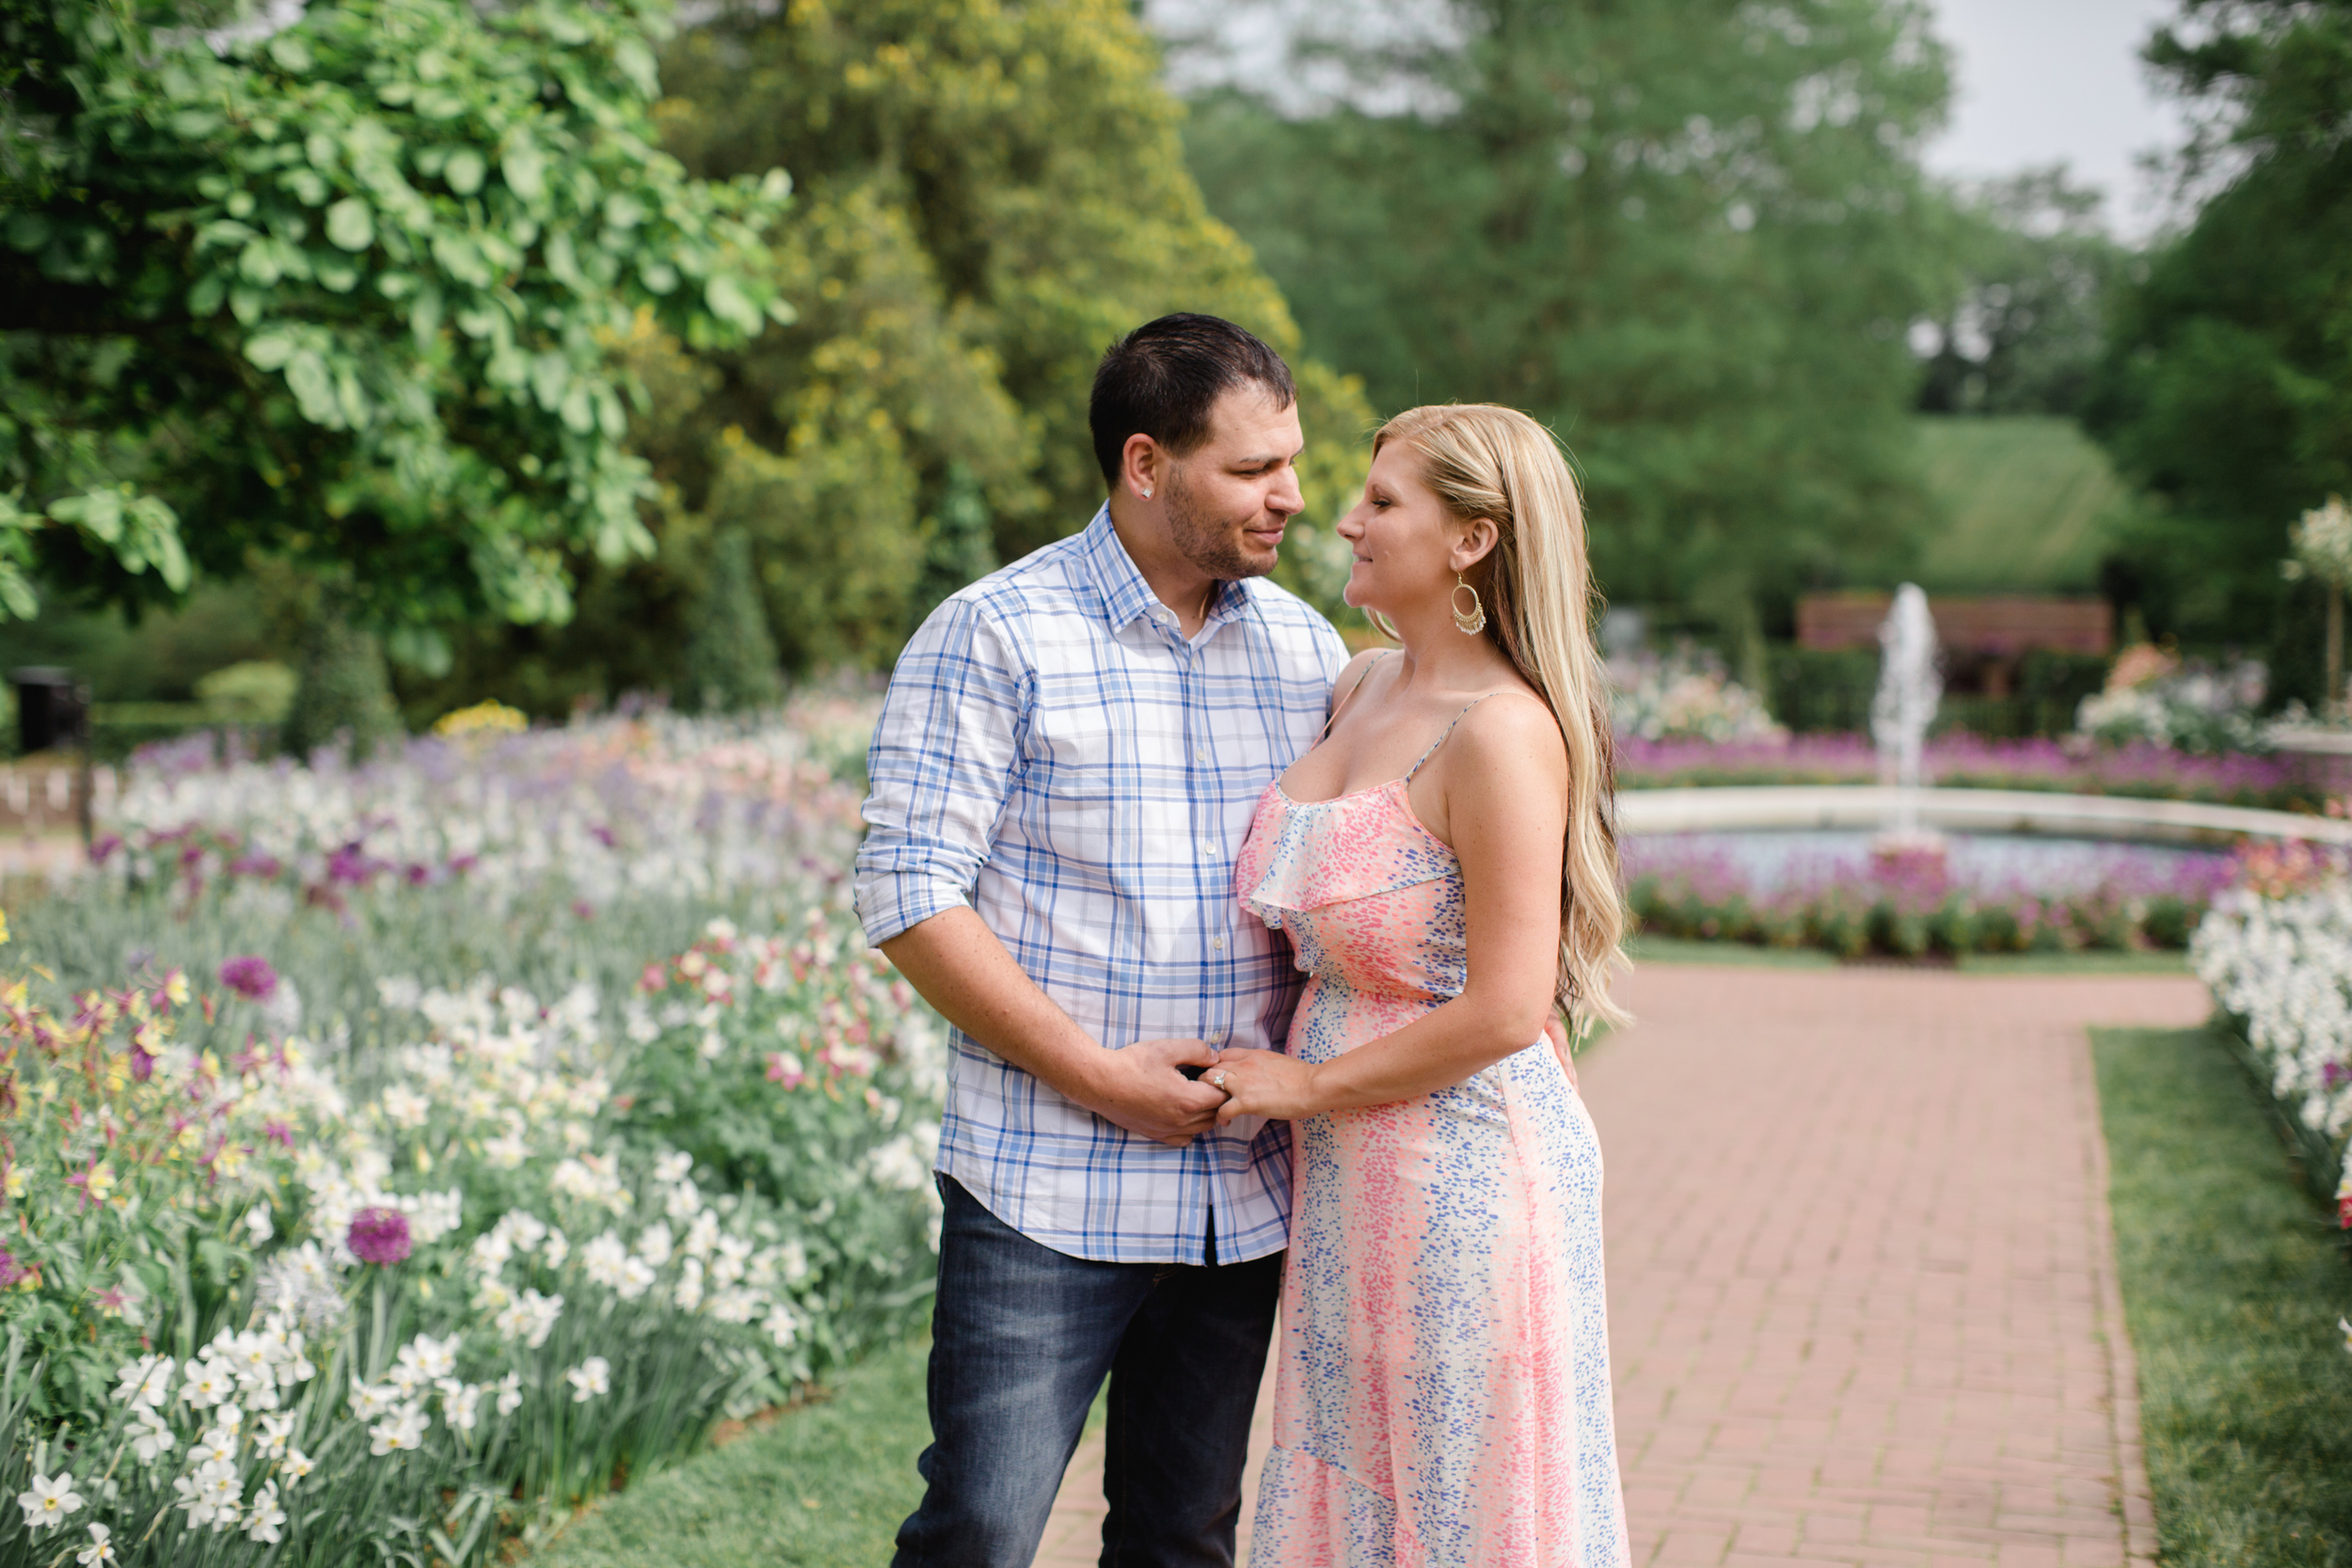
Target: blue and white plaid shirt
(1056, 754)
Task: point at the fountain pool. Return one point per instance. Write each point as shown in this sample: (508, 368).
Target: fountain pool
(1772, 860)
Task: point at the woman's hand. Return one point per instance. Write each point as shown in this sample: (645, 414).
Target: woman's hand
(1263, 1083)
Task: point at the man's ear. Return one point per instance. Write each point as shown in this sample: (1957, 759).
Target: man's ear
(1477, 540)
(1143, 466)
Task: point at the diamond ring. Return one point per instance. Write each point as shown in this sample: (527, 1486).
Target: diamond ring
(1217, 1079)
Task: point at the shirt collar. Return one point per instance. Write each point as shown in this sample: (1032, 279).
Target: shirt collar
(1124, 592)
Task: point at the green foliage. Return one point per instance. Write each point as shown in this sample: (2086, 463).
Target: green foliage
(2226, 388)
(2025, 504)
(2232, 1284)
(824, 1485)
(347, 293)
(730, 659)
(1686, 236)
(344, 696)
(2025, 333)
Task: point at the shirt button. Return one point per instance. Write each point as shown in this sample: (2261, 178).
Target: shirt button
(1218, 943)
(1200, 753)
(1208, 851)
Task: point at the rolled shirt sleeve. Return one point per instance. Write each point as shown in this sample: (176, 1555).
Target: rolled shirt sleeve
(945, 754)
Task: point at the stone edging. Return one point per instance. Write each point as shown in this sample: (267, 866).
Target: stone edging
(2135, 1498)
(2025, 810)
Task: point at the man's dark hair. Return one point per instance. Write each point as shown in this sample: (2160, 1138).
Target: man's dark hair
(1162, 379)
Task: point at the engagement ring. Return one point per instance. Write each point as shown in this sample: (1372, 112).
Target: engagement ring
(1217, 1079)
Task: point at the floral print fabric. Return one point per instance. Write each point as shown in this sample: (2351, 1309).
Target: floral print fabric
(1443, 1387)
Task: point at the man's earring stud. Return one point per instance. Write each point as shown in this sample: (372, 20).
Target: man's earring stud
(1147, 492)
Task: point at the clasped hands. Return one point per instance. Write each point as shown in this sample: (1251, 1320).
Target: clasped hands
(1143, 1088)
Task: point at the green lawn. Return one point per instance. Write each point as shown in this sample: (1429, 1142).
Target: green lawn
(2025, 500)
(821, 1486)
(1645, 949)
(2232, 1281)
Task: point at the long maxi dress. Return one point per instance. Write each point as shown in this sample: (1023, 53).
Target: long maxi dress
(1443, 1386)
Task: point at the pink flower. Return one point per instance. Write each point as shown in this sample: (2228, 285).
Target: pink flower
(379, 1236)
(784, 1068)
(250, 976)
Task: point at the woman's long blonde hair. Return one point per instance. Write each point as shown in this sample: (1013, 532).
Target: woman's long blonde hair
(1486, 461)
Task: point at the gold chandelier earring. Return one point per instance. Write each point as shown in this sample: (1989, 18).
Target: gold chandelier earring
(1473, 621)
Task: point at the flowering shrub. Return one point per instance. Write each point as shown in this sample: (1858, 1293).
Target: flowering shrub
(2276, 951)
(252, 1319)
(1962, 761)
(2153, 696)
(1686, 695)
(1906, 904)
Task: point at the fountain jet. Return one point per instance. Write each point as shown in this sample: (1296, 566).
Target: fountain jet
(1910, 688)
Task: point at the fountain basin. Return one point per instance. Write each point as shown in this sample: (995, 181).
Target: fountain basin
(1868, 808)
(1768, 861)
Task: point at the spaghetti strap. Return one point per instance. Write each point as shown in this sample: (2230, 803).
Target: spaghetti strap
(1442, 739)
(1333, 716)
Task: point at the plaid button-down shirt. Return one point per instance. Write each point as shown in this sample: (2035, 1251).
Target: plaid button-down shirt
(1054, 753)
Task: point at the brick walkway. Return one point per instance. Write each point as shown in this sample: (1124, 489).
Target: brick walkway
(1862, 1301)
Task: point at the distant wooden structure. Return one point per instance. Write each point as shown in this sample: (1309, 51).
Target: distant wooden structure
(1983, 638)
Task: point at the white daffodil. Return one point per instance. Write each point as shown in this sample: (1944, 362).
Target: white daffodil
(277, 1432)
(460, 1402)
(265, 1521)
(295, 1465)
(370, 1400)
(402, 1432)
(99, 1550)
(150, 1436)
(590, 1379)
(510, 1389)
(47, 1501)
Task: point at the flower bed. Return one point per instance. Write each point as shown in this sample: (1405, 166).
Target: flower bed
(2276, 951)
(1906, 906)
(1964, 761)
(251, 1318)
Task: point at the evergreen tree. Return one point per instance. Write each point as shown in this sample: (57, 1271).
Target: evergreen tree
(730, 663)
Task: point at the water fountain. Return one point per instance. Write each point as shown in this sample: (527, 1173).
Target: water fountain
(1909, 687)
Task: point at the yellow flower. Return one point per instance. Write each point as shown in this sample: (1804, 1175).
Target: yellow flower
(3, 925)
(176, 987)
(100, 1183)
(14, 1184)
(490, 717)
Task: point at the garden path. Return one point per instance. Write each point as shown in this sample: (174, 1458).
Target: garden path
(1862, 1287)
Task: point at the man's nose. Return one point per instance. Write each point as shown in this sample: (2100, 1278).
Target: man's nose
(1286, 497)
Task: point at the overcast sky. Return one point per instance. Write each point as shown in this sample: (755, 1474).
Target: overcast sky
(2043, 80)
(2037, 81)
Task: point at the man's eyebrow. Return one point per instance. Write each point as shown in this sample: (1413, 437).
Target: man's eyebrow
(1261, 460)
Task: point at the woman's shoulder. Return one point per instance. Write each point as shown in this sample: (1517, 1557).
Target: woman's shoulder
(1510, 727)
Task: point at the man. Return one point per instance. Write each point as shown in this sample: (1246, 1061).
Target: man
(1065, 765)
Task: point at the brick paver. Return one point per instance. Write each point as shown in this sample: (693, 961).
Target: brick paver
(1861, 1297)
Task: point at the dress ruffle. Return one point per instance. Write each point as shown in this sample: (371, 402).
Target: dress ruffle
(1301, 857)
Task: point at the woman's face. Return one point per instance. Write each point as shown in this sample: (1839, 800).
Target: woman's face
(1402, 535)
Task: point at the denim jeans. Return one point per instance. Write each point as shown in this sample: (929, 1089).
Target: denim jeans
(1022, 1337)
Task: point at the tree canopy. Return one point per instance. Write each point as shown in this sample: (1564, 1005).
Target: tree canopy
(2227, 387)
(1689, 235)
(345, 293)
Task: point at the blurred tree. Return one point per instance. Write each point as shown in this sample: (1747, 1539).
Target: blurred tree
(2227, 387)
(730, 659)
(1689, 234)
(2027, 331)
(343, 291)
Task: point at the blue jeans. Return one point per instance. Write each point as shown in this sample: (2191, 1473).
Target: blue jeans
(1022, 1337)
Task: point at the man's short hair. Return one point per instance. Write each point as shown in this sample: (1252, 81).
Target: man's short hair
(1162, 379)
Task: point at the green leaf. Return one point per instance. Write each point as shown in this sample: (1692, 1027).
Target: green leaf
(270, 350)
(730, 304)
(526, 170)
(636, 63)
(29, 230)
(463, 171)
(350, 224)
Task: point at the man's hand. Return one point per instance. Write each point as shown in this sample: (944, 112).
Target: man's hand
(1138, 1089)
(1557, 1033)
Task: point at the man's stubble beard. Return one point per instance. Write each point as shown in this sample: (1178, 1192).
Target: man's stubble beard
(1203, 540)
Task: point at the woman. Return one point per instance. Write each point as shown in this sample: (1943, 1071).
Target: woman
(1444, 864)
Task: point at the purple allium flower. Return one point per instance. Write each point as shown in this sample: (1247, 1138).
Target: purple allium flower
(379, 1236)
(250, 976)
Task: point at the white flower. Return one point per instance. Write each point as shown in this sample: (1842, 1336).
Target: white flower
(145, 1382)
(701, 1235)
(403, 1430)
(688, 1293)
(684, 1199)
(257, 1223)
(99, 1550)
(490, 1251)
(207, 1382)
(654, 1245)
(729, 1266)
(530, 1318)
(637, 1277)
(404, 1107)
(50, 1498)
(214, 1444)
(602, 1259)
(589, 1379)
(265, 1519)
(557, 1249)
(671, 1167)
(430, 1357)
(296, 1465)
(737, 1305)
(459, 1402)
(782, 1326)
(150, 1439)
(510, 1389)
(370, 1400)
(522, 1227)
(275, 1434)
